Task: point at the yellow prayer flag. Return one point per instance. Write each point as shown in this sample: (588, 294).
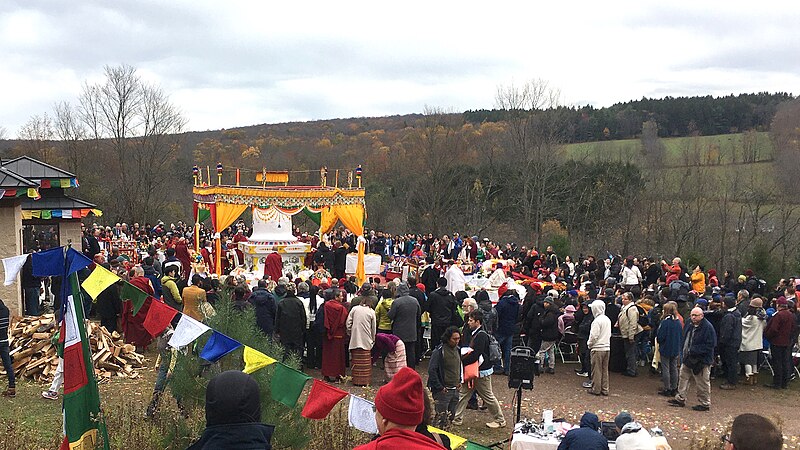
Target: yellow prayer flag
(27, 214)
(97, 212)
(255, 360)
(98, 281)
(33, 193)
(455, 441)
(64, 182)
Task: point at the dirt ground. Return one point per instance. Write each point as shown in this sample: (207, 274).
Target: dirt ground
(562, 392)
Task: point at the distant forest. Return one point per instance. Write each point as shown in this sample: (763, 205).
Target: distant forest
(676, 116)
(509, 174)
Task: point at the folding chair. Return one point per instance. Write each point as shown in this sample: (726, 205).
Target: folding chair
(567, 348)
(766, 362)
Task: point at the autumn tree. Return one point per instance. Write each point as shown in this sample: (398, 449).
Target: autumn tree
(138, 127)
(534, 137)
(37, 138)
(70, 132)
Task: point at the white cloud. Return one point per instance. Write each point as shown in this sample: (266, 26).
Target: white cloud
(237, 63)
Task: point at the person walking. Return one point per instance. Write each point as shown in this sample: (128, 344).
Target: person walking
(697, 355)
(479, 344)
(445, 374)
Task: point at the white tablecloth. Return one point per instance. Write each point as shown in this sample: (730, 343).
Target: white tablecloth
(526, 442)
(372, 263)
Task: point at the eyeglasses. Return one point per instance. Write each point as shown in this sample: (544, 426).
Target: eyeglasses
(725, 438)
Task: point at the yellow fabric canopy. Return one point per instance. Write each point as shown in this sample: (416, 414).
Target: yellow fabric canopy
(227, 213)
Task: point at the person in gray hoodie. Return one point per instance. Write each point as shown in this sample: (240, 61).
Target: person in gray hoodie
(405, 314)
(632, 435)
(599, 344)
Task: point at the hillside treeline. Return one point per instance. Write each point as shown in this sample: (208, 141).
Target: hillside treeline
(438, 172)
(676, 116)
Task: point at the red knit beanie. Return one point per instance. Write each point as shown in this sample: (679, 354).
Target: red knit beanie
(400, 401)
(502, 290)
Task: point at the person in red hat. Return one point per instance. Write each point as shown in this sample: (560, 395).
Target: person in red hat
(399, 407)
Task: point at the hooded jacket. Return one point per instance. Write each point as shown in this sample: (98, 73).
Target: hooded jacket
(405, 313)
(753, 330)
(669, 337)
(233, 414)
(600, 333)
(549, 323)
(730, 329)
(290, 320)
(634, 437)
(587, 437)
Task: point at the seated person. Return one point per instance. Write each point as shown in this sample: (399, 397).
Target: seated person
(631, 434)
(587, 437)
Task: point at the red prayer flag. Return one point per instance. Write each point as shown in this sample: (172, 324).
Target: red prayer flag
(158, 317)
(45, 183)
(321, 400)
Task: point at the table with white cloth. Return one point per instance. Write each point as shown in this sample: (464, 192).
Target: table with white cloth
(529, 442)
(372, 263)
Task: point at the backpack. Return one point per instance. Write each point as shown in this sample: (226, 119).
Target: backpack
(678, 291)
(644, 321)
(495, 354)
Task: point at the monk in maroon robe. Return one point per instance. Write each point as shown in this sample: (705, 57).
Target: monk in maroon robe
(273, 266)
(333, 345)
(182, 253)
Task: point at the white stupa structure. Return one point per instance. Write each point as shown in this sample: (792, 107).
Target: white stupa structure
(272, 233)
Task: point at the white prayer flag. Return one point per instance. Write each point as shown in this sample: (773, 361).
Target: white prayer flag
(12, 266)
(361, 416)
(187, 331)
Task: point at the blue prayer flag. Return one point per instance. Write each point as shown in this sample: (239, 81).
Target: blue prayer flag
(77, 261)
(218, 345)
(49, 263)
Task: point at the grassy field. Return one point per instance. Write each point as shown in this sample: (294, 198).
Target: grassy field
(723, 149)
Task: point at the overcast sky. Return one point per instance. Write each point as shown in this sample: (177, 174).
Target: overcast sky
(236, 63)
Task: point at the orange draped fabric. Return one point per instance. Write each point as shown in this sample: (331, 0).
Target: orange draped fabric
(226, 214)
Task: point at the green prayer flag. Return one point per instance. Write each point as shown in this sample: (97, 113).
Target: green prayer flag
(287, 384)
(473, 446)
(134, 294)
(203, 214)
(315, 217)
(47, 214)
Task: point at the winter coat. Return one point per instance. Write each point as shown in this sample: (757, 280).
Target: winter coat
(489, 313)
(436, 369)
(629, 321)
(600, 333)
(533, 323)
(549, 324)
(753, 331)
(362, 326)
(290, 321)
(265, 308)
(397, 438)
(669, 336)
(507, 310)
(704, 340)
(634, 437)
(730, 329)
(405, 313)
(382, 314)
(587, 437)
(779, 328)
(441, 304)
(247, 436)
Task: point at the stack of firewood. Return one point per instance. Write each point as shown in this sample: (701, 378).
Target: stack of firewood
(34, 354)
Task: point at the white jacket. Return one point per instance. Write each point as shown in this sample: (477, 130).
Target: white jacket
(628, 321)
(631, 276)
(600, 333)
(752, 333)
(634, 437)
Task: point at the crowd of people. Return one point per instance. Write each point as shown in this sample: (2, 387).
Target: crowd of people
(691, 325)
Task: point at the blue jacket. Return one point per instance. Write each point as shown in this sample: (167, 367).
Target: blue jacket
(703, 342)
(587, 437)
(507, 310)
(669, 337)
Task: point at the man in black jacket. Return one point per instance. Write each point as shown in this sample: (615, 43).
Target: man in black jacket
(417, 293)
(441, 305)
(265, 308)
(479, 343)
(550, 334)
(730, 338)
(430, 275)
(290, 323)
